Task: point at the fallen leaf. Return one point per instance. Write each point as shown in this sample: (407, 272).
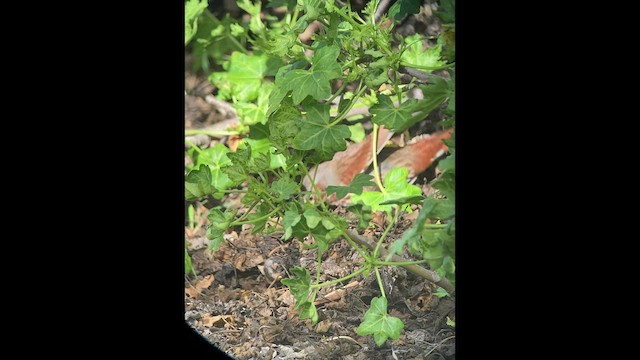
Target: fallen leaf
(265, 312)
(208, 320)
(233, 141)
(286, 298)
(238, 262)
(335, 295)
(323, 326)
(194, 291)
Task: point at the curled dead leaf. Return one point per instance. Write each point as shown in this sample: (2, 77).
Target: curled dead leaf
(194, 291)
(209, 320)
(323, 326)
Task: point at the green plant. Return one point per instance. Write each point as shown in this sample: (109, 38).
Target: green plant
(283, 95)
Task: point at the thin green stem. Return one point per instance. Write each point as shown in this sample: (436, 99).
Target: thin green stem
(237, 43)
(193, 146)
(232, 191)
(344, 84)
(379, 278)
(314, 190)
(318, 271)
(246, 213)
(345, 111)
(436, 226)
(235, 223)
(214, 133)
(400, 263)
(386, 231)
(356, 246)
(374, 156)
(428, 68)
(345, 278)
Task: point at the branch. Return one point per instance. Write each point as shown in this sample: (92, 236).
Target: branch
(415, 269)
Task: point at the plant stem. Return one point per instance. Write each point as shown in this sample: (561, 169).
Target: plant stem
(415, 269)
(256, 219)
(428, 68)
(331, 282)
(356, 246)
(386, 231)
(246, 213)
(342, 115)
(344, 84)
(374, 150)
(379, 281)
(214, 133)
(193, 146)
(400, 263)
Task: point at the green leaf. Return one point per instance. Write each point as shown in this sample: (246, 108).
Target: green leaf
(379, 323)
(314, 82)
(413, 233)
(290, 4)
(255, 23)
(357, 132)
(328, 224)
(250, 113)
(216, 237)
(192, 10)
(415, 200)
(426, 60)
(243, 77)
(397, 188)
(283, 188)
(198, 183)
(446, 185)
(291, 218)
(283, 126)
(282, 88)
(313, 8)
(308, 311)
(220, 222)
(188, 268)
(440, 292)
(318, 133)
(363, 212)
(395, 119)
(434, 95)
(312, 217)
(403, 7)
(361, 180)
(447, 11)
(216, 159)
(299, 284)
(443, 208)
(259, 217)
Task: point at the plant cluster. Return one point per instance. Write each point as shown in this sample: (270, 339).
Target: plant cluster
(293, 100)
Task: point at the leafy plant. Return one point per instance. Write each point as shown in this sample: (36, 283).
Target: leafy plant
(284, 91)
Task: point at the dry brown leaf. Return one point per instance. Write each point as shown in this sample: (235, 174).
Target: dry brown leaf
(254, 261)
(323, 326)
(233, 141)
(265, 312)
(335, 295)
(286, 298)
(209, 320)
(194, 291)
(238, 262)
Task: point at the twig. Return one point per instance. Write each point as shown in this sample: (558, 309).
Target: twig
(415, 269)
(382, 7)
(438, 344)
(223, 107)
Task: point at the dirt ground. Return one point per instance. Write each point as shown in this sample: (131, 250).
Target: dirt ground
(237, 302)
(250, 315)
